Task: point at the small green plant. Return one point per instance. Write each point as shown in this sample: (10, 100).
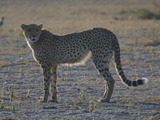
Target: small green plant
(19, 73)
(151, 118)
(2, 90)
(92, 109)
(10, 108)
(126, 48)
(63, 79)
(1, 105)
(111, 118)
(11, 92)
(129, 105)
(21, 54)
(151, 50)
(82, 95)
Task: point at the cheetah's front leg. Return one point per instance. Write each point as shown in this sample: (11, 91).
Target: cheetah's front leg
(53, 83)
(47, 80)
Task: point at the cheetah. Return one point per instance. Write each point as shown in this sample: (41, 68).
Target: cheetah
(50, 50)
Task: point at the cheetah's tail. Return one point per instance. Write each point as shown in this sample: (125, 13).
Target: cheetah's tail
(124, 79)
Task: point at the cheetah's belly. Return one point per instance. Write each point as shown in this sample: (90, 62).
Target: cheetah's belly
(72, 58)
(80, 60)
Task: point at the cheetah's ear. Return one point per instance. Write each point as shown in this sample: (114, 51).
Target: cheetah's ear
(23, 26)
(40, 26)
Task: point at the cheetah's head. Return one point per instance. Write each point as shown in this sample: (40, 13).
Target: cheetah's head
(32, 32)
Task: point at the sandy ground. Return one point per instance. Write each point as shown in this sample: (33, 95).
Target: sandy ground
(79, 87)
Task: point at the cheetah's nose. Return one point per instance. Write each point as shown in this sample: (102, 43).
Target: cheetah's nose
(33, 38)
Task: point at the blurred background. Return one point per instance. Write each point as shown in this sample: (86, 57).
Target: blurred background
(64, 16)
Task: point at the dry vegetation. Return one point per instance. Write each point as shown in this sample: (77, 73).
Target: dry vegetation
(136, 24)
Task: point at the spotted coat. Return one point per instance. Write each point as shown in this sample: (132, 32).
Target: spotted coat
(51, 50)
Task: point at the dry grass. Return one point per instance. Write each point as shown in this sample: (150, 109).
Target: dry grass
(21, 79)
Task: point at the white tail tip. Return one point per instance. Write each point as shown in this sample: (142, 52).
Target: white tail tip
(145, 80)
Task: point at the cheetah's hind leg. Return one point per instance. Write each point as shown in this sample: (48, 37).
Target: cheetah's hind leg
(109, 86)
(103, 68)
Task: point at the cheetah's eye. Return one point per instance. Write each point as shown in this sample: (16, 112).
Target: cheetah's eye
(29, 30)
(36, 30)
